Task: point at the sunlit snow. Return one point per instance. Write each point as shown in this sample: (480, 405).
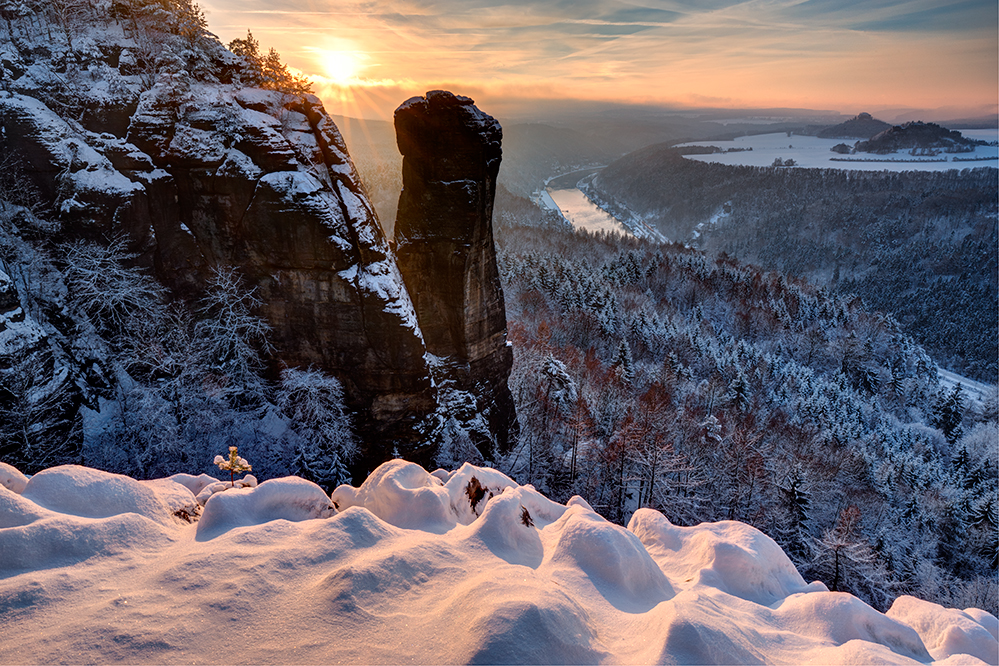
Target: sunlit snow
(449, 567)
(813, 152)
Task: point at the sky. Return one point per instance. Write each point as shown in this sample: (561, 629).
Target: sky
(367, 56)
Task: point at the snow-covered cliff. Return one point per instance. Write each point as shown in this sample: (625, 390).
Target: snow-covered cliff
(140, 126)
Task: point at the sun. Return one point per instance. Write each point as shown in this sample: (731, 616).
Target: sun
(341, 67)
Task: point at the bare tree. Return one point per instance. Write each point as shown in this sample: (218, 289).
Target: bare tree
(117, 297)
(233, 337)
(39, 427)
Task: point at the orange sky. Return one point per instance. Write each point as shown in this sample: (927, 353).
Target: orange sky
(367, 56)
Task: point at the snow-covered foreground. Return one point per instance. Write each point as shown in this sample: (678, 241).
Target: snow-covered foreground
(413, 567)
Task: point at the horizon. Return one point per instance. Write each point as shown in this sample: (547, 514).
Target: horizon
(531, 60)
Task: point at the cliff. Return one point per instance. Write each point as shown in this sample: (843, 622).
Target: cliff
(199, 171)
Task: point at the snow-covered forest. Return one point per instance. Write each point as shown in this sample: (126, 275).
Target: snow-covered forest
(922, 246)
(651, 376)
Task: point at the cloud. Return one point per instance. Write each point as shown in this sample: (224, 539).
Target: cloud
(792, 52)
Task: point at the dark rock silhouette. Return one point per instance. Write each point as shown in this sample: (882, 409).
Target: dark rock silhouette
(444, 241)
(916, 135)
(861, 126)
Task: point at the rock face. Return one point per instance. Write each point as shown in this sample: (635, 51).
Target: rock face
(212, 175)
(207, 174)
(281, 200)
(444, 242)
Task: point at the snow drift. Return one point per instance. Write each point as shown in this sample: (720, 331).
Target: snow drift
(450, 567)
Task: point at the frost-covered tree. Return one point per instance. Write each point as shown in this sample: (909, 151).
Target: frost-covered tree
(115, 295)
(796, 502)
(313, 403)
(233, 338)
(623, 362)
(846, 562)
(39, 426)
(948, 412)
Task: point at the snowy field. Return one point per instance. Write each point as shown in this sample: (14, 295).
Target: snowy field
(461, 567)
(813, 152)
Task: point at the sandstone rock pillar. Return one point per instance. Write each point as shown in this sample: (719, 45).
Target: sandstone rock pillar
(444, 245)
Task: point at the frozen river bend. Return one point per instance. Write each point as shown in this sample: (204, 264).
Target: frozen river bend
(459, 567)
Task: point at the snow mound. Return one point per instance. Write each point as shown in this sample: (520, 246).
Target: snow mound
(70, 514)
(450, 567)
(12, 479)
(729, 556)
(586, 550)
(947, 632)
(403, 494)
(193, 483)
(288, 498)
(91, 493)
(214, 486)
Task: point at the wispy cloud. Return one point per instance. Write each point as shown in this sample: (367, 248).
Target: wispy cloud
(820, 53)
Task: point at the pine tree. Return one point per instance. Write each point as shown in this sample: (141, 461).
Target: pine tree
(248, 50)
(738, 392)
(948, 413)
(266, 71)
(796, 501)
(623, 363)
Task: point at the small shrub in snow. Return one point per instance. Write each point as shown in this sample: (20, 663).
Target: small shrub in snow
(234, 464)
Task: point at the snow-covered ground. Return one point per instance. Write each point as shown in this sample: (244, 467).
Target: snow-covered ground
(414, 567)
(976, 392)
(813, 152)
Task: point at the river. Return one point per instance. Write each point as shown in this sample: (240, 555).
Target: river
(561, 195)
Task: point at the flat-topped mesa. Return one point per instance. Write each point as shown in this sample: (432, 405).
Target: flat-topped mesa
(444, 244)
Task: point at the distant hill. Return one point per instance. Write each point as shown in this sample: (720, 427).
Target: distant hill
(861, 126)
(919, 136)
